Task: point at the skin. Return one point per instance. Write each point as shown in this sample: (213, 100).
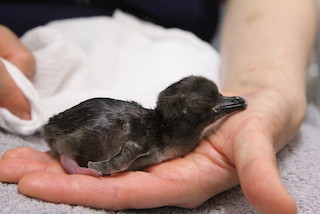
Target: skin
(265, 63)
(11, 96)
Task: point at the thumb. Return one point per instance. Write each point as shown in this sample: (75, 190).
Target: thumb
(260, 181)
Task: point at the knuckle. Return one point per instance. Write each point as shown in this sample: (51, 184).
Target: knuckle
(252, 126)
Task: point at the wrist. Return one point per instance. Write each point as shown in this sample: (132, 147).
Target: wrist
(293, 94)
(289, 82)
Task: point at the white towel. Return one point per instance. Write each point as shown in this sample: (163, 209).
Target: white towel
(119, 57)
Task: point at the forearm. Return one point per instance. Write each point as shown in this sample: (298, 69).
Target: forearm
(267, 44)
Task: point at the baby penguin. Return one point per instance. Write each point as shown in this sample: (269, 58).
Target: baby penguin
(104, 136)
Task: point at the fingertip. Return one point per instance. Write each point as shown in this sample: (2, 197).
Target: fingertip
(281, 202)
(262, 186)
(42, 185)
(28, 182)
(290, 206)
(273, 201)
(27, 153)
(14, 169)
(15, 152)
(6, 173)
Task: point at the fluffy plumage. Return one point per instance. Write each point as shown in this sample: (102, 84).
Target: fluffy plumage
(103, 136)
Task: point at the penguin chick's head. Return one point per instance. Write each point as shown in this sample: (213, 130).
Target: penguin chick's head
(195, 100)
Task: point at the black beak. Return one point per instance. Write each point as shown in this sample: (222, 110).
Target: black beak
(230, 104)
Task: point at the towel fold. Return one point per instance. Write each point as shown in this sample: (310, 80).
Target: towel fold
(120, 57)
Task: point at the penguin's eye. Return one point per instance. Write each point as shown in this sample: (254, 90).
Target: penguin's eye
(184, 111)
(214, 109)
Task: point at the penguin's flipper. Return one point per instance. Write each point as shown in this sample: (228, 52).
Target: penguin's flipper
(130, 152)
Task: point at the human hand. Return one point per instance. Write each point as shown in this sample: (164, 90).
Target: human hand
(11, 97)
(242, 150)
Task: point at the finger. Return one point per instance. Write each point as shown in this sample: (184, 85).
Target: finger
(12, 170)
(29, 153)
(19, 162)
(14, 51)
(258, 174)
(130, 190)
(12, 97)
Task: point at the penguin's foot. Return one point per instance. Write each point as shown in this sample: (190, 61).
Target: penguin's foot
(72, 167)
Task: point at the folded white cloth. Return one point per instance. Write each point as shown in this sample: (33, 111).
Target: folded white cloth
(119, 57)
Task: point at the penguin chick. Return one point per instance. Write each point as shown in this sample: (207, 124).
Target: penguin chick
(103, 136)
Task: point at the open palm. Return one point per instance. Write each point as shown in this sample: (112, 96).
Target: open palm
(241, 150)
